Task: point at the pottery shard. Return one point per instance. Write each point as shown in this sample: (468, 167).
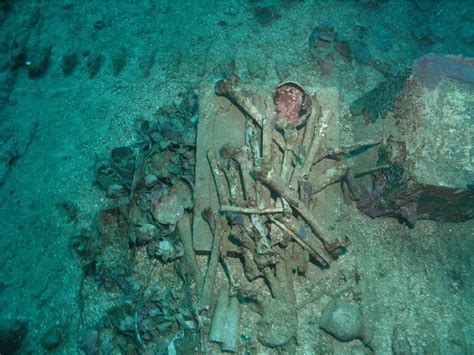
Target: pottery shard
(429, 125)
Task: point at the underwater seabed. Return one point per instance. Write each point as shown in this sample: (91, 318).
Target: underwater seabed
(251, 177)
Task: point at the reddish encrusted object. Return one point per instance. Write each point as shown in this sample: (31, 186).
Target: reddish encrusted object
(292, 103)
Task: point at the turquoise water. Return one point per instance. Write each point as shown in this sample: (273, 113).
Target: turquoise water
(106, 112)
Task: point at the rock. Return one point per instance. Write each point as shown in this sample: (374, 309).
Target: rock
(123, 157)
(94, 63)
(423, 34)
(343, 48)
(265, 12)
(325, 44)
(119, 60)
(89, 343)
(143, 234)
(150, 180)
(167, 250)
(68, 63)
(99, 24)
(7, 83)
(361, 52)
(321, 41)
(38, 63)
(51, 339)
(377, 102)
(12, 334)
(169, 209)
(147, 63)
(400, 342)
(344, 322)
(279, 323)
(106, 175)
(17, 58)
(427, 119)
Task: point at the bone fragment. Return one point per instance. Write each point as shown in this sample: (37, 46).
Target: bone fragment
(219, 178)
(228, 89)
(309, 130)
(248, 210)
(320, 128)
(220, 229)
(278, 186)
(347, 148)
(310, 244)
(217, 331)
(233, 179)
(243, 156)
(184, 230)
(231, 339)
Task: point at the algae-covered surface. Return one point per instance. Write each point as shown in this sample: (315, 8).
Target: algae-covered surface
(99, 108)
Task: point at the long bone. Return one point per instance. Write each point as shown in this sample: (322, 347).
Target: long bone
(219, 178)
(220, 230)
(275, 183)
(308, 244)
(228, 89)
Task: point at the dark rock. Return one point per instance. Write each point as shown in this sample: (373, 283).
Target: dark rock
(344, 50)
(99, 24)
(94, 63)
(51, 339)
(146, 65)
(5, 6)
(90, 343)
(7, 83)
(325, 45)
(361, 52)
(119, 60)
(424, 35)
(12, 334)
(38, 64)
(377, 102)
(222, 24)
(18, 58)
(265, 12)
(121, 154)
(324, 33)
(68, 63)
(321, 41)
